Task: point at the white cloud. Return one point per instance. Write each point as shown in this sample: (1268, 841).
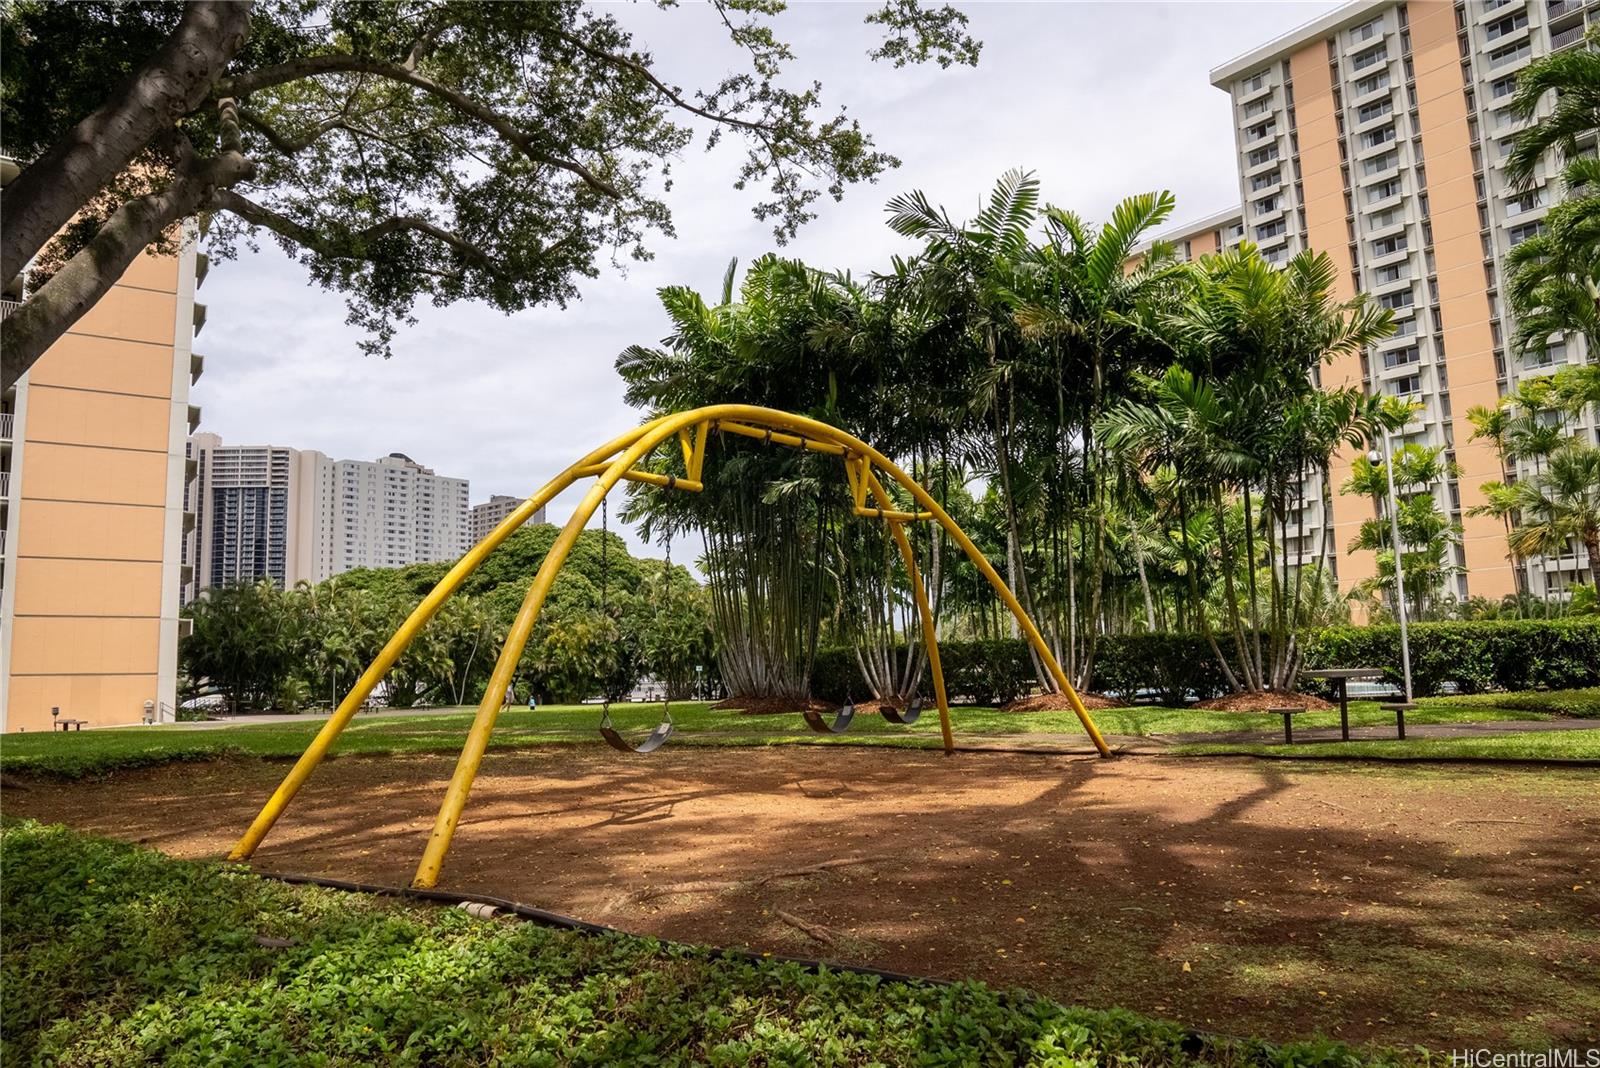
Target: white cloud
(1101, 100)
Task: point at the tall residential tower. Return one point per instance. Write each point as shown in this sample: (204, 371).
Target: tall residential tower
(1378, 134)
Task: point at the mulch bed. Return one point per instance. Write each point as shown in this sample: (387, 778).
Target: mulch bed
(770, 706)
(1260, 702)
(1057, 702)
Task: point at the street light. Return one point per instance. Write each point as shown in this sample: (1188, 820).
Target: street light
(1399, 570)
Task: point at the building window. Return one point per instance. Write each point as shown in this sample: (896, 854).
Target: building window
(1263, 155)
(1260, 130)
(1376, 109)
(1384, 190)
(1384, 219)
(1388, 246)
(1271, 230)
(1372, 56)
(1526, 202)
(1372, 83)
(1509, 54)
(1367, 30)
(1392, 273)
(1381, 136)
(1269, 204)
(1510, 24)
(1401, 357)
(1406, 385)
(1261, 181)
(1258, 107)
(1503, 86)
(1519, 234)
(1403, 298)
(1255, 81)
(1380, 163)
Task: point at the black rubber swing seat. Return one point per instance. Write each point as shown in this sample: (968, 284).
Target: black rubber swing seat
(840, 724)
(909, 716)
(655, 740)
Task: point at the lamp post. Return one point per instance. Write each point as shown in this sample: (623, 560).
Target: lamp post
(1399, 569)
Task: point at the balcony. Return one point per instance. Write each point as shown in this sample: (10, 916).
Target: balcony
(1566, 38)
(197, 367)
(7, 307)
(199, 317)
(194, 418)
(8, 424)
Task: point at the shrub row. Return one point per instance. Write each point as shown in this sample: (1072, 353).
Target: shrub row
(1476, 657)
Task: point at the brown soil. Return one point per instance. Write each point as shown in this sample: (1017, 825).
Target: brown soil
(1252, 898)
(770, 706)
(1057, 702)
(1260, 702)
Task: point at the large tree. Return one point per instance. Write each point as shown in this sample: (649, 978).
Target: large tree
(437, 149)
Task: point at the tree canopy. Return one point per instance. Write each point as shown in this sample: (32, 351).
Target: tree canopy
(432, 150)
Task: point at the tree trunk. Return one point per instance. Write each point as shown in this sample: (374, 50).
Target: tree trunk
(169, 85)
(85, 278)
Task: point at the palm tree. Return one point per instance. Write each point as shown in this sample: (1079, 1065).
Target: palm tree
(1554, 283)
(1559, 505)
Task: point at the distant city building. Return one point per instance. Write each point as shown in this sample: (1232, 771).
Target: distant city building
(293, 515)
(92, 503)
(487, 516)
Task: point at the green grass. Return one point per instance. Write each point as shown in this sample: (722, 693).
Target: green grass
(1519, 745)
(1581, 704)
(113, 954)
(97, 752)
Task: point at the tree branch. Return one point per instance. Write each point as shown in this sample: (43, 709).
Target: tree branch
(171, 84)
(87, 276)
(260, 215)
(508, 130)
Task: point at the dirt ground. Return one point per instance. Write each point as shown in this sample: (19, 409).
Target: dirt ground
(1447, 906)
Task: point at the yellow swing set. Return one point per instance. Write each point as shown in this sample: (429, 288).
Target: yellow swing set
(616, 461)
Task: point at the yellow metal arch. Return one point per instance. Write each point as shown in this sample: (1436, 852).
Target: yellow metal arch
(613, 462)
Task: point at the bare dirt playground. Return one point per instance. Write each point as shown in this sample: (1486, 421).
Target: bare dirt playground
(1443, 906)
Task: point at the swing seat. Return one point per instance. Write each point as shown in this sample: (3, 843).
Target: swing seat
(840, 724)
(656, 739)
(908, 717)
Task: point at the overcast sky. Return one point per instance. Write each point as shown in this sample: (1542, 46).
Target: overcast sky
(1101, 100)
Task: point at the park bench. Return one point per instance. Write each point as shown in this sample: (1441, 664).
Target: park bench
(1288, 714)
(68, 724)
(1399, 708)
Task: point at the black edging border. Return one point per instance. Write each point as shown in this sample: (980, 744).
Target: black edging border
(545, 918)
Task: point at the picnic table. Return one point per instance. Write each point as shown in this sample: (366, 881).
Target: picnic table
(1340, 677)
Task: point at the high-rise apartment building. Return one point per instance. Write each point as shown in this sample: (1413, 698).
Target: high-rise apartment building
(293, 515)
(93, 481)
(1378, 134)
(487, 516)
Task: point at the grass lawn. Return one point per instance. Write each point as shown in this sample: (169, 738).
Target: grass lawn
(94, 752)
(113, 954)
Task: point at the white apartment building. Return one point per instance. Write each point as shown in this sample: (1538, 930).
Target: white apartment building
(293, 515)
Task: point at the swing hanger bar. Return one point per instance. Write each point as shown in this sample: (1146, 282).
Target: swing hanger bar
(777, 437)
(649, 477)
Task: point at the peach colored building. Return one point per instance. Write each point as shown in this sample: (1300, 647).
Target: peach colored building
(1377, 133)
(92, 448)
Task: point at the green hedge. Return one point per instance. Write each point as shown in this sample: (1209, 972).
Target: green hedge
(112, 954)
(1532, 654)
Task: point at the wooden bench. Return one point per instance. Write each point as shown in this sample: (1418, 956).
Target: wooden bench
(68, 724)
(1287, 714)
(1400, 708)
